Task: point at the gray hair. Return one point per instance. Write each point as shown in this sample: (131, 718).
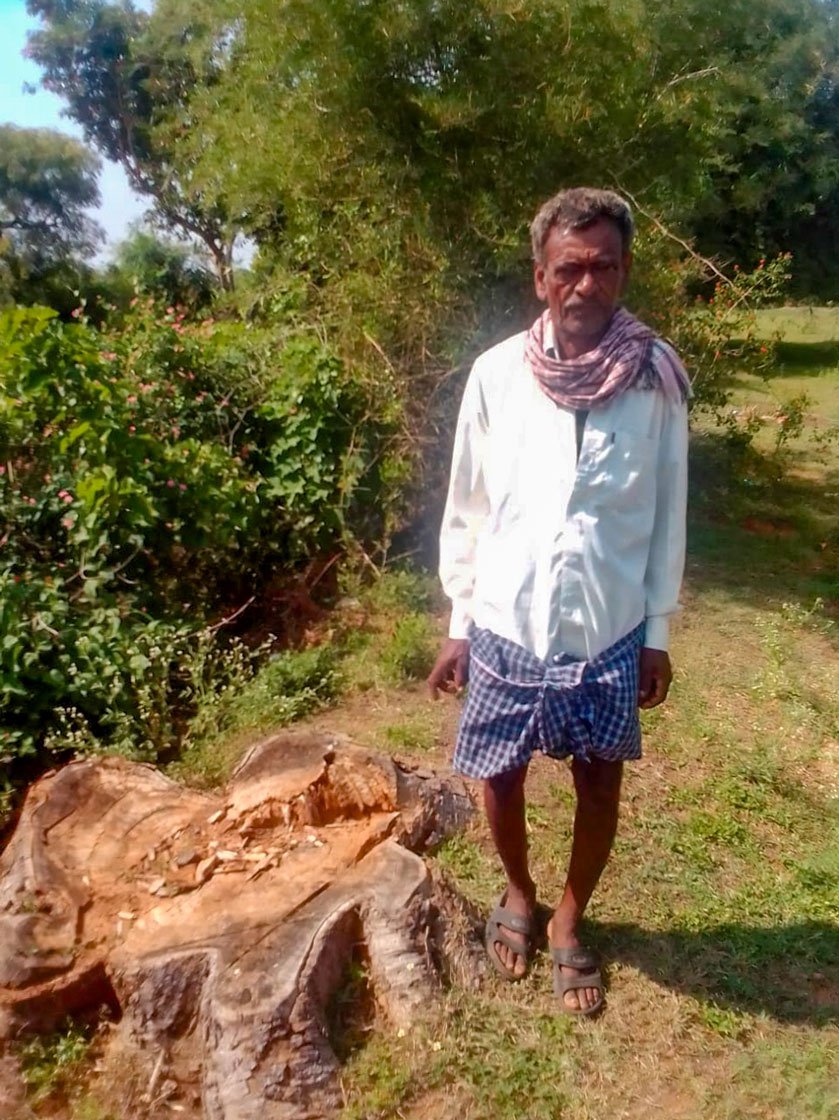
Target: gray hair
(578, 208)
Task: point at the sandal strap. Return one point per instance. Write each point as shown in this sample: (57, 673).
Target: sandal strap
(579, 957)
(572, 983)
(496, 933)
(519, 923)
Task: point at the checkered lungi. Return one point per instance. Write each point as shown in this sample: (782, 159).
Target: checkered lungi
(518, 703)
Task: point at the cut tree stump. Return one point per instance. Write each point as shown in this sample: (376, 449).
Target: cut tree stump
(218, 926)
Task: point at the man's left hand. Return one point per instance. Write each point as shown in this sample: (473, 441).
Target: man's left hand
(654, 678)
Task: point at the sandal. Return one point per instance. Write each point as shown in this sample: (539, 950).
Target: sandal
(518, 923)
(576, 958)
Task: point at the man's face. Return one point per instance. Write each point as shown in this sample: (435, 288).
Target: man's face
(581, 277)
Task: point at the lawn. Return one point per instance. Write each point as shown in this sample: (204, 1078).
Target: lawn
(718, 916)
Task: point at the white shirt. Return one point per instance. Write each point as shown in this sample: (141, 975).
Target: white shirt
(556, 554)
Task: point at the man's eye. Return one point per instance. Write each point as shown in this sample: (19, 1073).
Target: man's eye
(573, 273)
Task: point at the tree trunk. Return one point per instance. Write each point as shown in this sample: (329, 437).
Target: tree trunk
(219, 926)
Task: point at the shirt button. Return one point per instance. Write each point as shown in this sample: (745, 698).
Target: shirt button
(557, 657)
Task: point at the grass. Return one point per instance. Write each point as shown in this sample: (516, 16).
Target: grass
(718, 915)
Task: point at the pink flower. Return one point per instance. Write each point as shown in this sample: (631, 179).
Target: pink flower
(132, 428)
(170, 482)
(66, 497)
(132, 399)
(182, 487)
(67, 522)
(76, 312)
(2, 470)
(108, 355)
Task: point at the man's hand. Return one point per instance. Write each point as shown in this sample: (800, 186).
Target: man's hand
(654, 678)
(451, 669)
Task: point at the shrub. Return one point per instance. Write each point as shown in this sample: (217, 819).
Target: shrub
(149, 477)
(409, 653)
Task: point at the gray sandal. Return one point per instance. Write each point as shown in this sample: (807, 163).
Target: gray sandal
(518, 923)
(576, 958)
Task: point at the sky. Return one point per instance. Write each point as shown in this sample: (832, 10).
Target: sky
(120, 206)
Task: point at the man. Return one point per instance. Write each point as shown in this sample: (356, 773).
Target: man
(562, 551)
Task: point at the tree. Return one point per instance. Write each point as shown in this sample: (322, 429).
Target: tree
(128, 81)
(47, 182)
(162, 268)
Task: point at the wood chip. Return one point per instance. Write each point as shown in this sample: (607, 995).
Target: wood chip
(155, 885)
(186, 857)
(216, 816)
(127, 915)
(226, 855)
(204, 869)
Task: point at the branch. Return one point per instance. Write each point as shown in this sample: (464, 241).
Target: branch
(673, 236)
(230, 618)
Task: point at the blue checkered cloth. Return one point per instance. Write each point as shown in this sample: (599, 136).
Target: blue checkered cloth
(518, 703)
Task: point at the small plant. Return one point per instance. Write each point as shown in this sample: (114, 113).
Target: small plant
(53, 1063)
(409, 654)
(412, 735)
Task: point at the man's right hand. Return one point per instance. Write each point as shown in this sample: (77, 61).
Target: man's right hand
(451, 669)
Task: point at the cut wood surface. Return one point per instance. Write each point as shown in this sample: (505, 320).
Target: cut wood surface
(218, 926)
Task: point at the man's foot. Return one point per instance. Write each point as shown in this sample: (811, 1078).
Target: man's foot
(509, 933)
(582, 998)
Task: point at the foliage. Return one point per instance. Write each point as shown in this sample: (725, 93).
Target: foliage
(47, 182)
(51, 1063)
(127, 82)
(149, 476)
(409, 653)
(164, 269)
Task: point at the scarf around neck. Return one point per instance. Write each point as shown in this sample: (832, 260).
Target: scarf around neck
(617, 363)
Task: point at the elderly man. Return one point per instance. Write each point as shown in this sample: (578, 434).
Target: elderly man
(562, 551)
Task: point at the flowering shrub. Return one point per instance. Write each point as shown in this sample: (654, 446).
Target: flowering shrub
(148, 476)
(707, 315)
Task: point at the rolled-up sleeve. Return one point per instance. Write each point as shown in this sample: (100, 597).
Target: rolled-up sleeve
(467, 506)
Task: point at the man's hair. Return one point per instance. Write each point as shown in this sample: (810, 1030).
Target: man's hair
(578, 208)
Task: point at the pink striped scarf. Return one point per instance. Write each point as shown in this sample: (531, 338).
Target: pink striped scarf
(620, 361)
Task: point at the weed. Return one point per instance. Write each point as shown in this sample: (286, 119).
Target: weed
(410, 652)
(400, 591)
(54, 1063)
(411, 735)
(288, 686)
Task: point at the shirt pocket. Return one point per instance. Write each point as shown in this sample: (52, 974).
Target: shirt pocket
(617, 471)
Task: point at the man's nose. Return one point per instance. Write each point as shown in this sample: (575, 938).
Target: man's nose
(586, 284)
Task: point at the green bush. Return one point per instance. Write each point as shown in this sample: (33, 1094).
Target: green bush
(150, 477)
(409, 653)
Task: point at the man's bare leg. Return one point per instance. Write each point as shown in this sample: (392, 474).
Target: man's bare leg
(504, 804)
(598, 786)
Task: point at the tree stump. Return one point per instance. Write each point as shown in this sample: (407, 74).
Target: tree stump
(218, 926)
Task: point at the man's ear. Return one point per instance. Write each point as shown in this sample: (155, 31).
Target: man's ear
(539, 281)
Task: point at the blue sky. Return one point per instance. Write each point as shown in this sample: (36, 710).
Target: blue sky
(43, 110)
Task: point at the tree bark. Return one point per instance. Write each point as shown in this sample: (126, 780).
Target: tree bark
(219, 926)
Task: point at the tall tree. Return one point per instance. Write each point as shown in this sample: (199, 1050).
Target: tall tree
(47, 182)
(128, 81)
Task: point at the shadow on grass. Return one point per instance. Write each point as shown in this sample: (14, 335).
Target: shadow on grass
(762, 538)
(789, 972)
(802, 358)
